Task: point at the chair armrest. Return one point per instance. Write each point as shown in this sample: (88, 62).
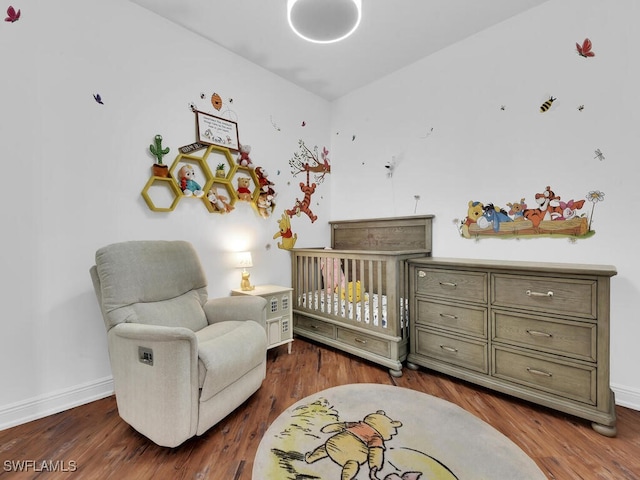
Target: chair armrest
(236, 308)
(154, 333)
(170, 384)
(175, 350)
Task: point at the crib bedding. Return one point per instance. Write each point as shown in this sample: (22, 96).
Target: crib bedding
(333, 304)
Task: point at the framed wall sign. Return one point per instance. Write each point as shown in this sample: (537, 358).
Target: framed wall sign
(219, 131)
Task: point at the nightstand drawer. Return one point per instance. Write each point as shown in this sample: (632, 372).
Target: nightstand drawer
(572, 381)
(315, 326)
(561, 337)
(470, 320)
(456, 351)
(451, 284)
(549, 294)
(364, 342)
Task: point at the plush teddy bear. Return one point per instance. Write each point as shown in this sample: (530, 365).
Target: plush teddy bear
(245, 160)
(264, 183)
(244, 193)
(188, 185)
(265, 204)
(219, 202)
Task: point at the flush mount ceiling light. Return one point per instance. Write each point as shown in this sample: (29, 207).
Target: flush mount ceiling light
(324, 21)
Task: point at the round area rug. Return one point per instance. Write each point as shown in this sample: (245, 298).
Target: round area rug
(368, 431)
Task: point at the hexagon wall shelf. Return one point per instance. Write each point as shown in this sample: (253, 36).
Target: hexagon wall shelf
(153, 190)
(224, 185)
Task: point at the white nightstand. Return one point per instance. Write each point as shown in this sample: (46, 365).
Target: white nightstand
(279, 314)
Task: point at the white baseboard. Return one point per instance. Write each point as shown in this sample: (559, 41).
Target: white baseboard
(56, 402)
(627, 397)
(59, 401)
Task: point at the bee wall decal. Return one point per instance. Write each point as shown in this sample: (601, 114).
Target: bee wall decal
(584, 50)
(547, 105)
(581, 108)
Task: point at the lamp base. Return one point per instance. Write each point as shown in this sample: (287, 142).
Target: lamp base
(245, 284)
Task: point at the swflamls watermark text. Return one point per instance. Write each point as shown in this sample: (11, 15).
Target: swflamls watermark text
(40, 466)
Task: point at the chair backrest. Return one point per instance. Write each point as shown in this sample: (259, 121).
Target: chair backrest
(156, 282)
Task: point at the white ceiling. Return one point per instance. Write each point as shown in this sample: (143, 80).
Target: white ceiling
(392, 34)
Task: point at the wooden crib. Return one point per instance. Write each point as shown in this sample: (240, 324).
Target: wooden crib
(354, 296)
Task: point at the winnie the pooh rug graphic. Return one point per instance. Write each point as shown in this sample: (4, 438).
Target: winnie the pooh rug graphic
(383, 432)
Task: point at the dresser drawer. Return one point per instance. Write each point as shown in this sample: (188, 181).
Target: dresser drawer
(573, 381)
(549, 294)
(452, 284)
(561, 337)
(364, 342)
(469, 320)
(315, 326)
(456, 351)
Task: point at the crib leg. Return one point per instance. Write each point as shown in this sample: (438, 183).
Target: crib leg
(395, 373)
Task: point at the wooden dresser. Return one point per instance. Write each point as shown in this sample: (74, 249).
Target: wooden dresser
(537, 331)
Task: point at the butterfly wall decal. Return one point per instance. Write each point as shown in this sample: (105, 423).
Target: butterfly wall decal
(98, 98)
(584, 50)
(12, 15)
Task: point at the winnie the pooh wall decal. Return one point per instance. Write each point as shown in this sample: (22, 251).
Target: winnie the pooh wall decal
(551, 216)
(284, 231)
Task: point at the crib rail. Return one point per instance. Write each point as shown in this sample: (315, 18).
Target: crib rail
(360, 288)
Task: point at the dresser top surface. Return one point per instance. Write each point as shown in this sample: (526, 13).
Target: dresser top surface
(508, 265)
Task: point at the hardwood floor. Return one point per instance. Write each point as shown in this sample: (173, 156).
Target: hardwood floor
(92, 442)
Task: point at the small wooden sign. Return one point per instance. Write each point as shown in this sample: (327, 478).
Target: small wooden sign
(193, 147)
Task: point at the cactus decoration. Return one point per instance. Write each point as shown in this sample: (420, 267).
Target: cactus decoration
(157, 149)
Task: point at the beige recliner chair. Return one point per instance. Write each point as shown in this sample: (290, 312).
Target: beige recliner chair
(181, 362)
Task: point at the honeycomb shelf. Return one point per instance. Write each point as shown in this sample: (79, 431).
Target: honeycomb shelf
(158, 186)
(220, 192)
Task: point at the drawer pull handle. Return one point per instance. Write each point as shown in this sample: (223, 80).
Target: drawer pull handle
(448, 284)
(314, 327)
(539, 294)
(422, 274)
(536, 333)
(449, 349)
(539, 372)
(364, 342)
(448, 315)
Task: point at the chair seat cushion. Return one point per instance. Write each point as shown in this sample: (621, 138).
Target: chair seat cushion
(227, 351)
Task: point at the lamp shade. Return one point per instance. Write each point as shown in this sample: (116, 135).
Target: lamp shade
(243, 260)
(324, 21)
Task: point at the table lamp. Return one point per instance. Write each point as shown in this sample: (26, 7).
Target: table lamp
(244, 261)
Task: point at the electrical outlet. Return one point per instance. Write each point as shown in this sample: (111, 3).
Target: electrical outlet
(145, 355)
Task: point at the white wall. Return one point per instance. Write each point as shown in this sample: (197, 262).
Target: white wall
(479, 152)
(74, 171)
